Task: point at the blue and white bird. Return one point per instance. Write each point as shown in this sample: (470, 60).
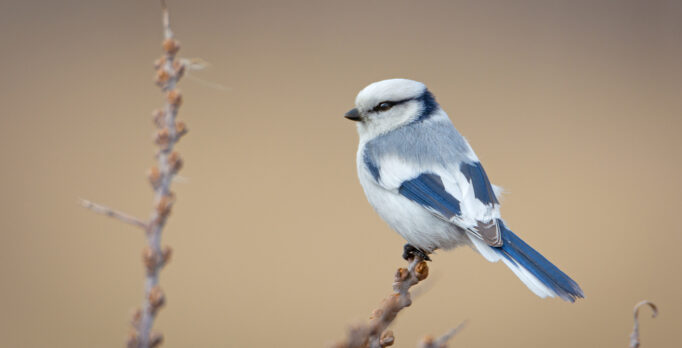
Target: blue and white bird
(424, 179)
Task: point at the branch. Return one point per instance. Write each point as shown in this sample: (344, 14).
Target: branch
(169, 131)
(169, 70)
(104, 210)
(374, 334)
(441, 342)
(634, 337)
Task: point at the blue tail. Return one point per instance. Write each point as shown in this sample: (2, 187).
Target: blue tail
(522, 255)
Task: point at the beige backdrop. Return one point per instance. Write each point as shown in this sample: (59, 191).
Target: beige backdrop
(573, 107)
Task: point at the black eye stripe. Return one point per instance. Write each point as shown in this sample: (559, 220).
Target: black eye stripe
(385, 105)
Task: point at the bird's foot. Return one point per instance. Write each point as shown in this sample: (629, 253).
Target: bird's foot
(410, 252)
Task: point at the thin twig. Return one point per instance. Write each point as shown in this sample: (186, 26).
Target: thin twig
(442, 341)
(374, 334)
(169, 72)
(634, 337)
(169, 131)
(104, 210)
(198, 64)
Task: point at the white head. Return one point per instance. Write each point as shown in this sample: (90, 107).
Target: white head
(389, 104)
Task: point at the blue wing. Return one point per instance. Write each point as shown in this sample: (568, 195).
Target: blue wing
(428, 190)
(476, 175)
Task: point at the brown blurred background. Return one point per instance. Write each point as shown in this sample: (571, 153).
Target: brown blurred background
(574, 107)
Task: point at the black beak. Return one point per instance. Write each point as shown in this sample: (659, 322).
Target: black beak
(353, 115)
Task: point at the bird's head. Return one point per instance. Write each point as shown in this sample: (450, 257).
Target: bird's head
(389, 104)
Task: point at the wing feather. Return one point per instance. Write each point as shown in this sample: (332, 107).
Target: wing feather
(428, 190)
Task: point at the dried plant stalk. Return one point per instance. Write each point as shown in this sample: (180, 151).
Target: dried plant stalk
(634, 337)
(169, 70)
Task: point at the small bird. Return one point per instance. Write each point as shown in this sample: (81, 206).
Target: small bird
(424, 179)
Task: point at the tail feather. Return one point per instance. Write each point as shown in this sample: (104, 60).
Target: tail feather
(539, 275)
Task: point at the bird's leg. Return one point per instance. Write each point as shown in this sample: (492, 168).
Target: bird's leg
(410, 251)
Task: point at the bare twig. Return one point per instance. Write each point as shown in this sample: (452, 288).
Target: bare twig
(169, 70)
(374, 334)
(634, 337)
(104, 210)
(442, 341)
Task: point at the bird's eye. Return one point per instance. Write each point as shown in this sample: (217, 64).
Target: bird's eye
(383, 106)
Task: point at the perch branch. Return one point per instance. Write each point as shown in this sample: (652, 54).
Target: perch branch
(104, 210)
(374, 334)
(634, 337)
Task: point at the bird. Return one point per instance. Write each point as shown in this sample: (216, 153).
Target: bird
(423, 178)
